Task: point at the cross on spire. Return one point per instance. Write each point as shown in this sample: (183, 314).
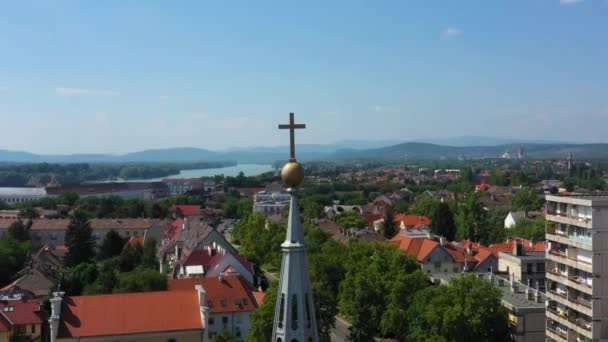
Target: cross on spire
(292, 126)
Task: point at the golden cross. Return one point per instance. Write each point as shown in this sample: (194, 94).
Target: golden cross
(292, 141)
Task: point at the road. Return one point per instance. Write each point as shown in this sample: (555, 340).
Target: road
(340, 332)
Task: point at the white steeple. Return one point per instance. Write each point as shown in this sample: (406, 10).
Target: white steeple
(295, 318)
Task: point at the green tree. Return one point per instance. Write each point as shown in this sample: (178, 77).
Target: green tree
(263, 318)
(149, 255)
(223, 336)
(351, 219)
(442, 222)
(13, 255)
(67, 198)
(80, 240)
(111, 246)
(467, 309)
(20, 231)
(79, 277)
(400, 298)
(471, 219)
(527, 200)
(389, 226)
(130, 257)
(363, 327)
(529, 229)
(231, 207)
(141, 280)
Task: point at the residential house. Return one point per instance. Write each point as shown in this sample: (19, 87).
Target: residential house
(20, 320)
(405, 221)
(228, 303)
(212, 262)
(180, 186)
(147, 316)
(187, 210)
(52, 231)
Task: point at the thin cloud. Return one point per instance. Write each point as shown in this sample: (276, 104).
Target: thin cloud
(384, 109)
(451, 32)
(569, 2)
(66, 91)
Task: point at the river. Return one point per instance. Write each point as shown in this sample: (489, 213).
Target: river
(248, 170)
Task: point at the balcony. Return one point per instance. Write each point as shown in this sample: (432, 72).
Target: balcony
(559, 331)
(580, 322)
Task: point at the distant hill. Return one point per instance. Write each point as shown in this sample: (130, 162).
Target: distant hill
(414, 150)
(306, 152)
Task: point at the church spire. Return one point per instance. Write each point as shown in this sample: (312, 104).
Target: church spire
(295, 319)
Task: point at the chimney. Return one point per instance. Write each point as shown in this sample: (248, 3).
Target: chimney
(537, 295)
(470, 248)
(204, 309)
(185, 225)
(518, 248)
(209, 249)
(513, 284)
(442, 241)
(55, 314)
(221, 278)
(529, 292)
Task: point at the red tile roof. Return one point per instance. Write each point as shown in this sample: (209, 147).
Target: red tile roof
(412, 221)
(20, 312)
(232, 294)
(130, 313)
(259, 297)
(371, 218)
(134, 240)
(107, 223)
(419, 248)
(188, 210)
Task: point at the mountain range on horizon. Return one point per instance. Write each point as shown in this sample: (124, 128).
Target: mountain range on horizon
(456, 147)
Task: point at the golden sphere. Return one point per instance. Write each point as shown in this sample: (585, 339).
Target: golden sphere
(292, 174)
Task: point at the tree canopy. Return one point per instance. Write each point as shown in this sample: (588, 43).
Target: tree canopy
(80, 240)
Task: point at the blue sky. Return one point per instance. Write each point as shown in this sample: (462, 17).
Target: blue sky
(118, 76)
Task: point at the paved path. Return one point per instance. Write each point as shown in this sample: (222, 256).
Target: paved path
(340, 332)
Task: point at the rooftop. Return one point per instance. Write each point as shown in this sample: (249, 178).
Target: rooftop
(230, 294)
(130, 313)
(516, 301)
(40, 192)
(107, 223)
(601, 200)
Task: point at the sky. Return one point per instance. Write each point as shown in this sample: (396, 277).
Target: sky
(120, 76)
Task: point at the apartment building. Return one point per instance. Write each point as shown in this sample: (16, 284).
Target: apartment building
(577, 268)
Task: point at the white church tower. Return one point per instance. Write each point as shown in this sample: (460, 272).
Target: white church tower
(294, 319)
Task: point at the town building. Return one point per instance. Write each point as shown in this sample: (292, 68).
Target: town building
(527, 267)
(525, 305)
(146, 316)
(514, 217)
(229, 301)
(180, 186)
(405, 221)
(212, 262)
(270, 203)
(20, 319)
(126, 190)
(52, 231)
(577, 268)
(20, 195)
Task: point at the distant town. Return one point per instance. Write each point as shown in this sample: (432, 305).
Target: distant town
(199, 258)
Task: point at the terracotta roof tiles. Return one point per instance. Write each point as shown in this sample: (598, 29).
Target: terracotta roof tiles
(130, 313)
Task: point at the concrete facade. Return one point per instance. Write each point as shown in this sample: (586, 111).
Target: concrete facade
(577, 268)
(527, 267)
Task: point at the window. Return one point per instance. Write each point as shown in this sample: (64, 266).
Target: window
(529, 268)
(224, 320)
(33, 328)
(307, 310)
(540, 267)
(294, 312)
(282, 311)
(211, 321)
